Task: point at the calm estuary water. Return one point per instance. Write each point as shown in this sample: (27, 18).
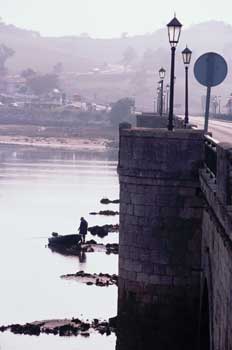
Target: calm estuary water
(39, 195)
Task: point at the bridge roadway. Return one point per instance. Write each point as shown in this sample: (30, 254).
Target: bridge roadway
(221, 130)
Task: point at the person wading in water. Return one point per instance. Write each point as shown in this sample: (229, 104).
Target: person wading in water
(83, 229)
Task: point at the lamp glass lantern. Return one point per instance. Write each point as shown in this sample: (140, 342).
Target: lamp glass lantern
(162, 72)
(186, 54)
(174, 29)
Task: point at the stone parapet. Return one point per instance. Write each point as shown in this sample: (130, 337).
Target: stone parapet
(154, 120)
(158, 153)
(222, 211)
(224, 173)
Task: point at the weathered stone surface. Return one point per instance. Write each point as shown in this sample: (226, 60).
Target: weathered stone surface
(160, 217)
(154, 120)
(217, 252)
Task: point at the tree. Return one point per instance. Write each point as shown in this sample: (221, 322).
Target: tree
(5, 53)
(149, 59)
(58, 68)
(121, 111)
(154, 59)
(139, 81)
(129, 56)
(43, 84)
(28, 73)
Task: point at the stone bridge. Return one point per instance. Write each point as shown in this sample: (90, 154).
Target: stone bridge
(216, 255)
(175, 247)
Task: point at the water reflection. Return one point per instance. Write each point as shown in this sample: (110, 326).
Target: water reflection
(82, 256)
(17, 342)
(11, 152)
(79, 253)
(41, 193)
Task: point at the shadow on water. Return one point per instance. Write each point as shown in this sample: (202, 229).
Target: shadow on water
(79, 253)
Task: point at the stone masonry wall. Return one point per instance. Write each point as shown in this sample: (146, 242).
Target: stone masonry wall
(160, 233)
(152, 120)
(217, 250)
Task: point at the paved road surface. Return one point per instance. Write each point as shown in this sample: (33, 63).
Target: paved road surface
(222, 130)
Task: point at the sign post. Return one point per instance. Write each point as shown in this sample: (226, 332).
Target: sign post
(207, 105)
(210, 70)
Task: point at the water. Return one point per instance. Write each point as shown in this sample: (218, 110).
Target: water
(39, 195)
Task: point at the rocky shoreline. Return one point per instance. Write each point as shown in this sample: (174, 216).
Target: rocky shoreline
(100, 280)
(102, 231)
(105, 212)
(105, 200)
(71, 246)
(64, 328)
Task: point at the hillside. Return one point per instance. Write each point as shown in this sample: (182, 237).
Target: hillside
(82, 54)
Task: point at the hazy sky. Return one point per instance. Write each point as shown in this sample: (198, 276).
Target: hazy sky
(108, 18)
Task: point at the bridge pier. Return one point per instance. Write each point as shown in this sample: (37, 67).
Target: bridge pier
(160, 236)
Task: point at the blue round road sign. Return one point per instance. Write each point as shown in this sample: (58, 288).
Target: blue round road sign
(210, 69)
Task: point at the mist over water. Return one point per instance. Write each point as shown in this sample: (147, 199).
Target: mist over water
(37, 197)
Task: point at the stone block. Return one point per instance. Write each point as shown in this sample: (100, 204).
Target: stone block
(147, 268)
(131, 276)
(160, 269)
(134, 253)
(181, 281)
(143, 277)
(166, 280)
(123, 273)
(158, 257)
(143, 210)
(132, 265)
(155, 279)
(145, 256)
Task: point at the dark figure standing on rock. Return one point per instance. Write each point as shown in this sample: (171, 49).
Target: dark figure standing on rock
(83, 229)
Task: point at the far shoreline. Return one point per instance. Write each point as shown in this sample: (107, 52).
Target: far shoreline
(67, 144)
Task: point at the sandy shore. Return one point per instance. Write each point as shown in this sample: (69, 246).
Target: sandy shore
(98, 145)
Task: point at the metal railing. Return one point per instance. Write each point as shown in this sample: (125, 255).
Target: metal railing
(211, 155)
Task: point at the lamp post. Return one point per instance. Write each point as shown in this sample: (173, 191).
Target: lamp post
(167, 97)
(164, 101)
(158, 100)
(174, 29)
(214, 105)
(219, 104)
(154, 104)
(162, 72)
(186, 54)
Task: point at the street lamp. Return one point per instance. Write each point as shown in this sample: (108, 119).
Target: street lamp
(219, 104)
(154, 101)
(215, 104)
(162, 72)
(158, 100)
(167, 98)
(186, 54)
(164, 100)
(174, 29)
